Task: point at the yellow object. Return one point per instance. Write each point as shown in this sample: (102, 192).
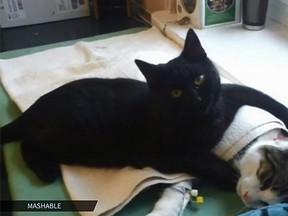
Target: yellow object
(199, 199)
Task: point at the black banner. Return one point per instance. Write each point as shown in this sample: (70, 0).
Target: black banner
(47, 205)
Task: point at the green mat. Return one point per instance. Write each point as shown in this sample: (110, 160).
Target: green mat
(25, 186)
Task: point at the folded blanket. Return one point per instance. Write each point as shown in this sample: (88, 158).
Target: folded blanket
(29, 77)
(249, 123)
(113, 188)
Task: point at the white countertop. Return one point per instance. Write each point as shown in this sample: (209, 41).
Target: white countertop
(254, 58)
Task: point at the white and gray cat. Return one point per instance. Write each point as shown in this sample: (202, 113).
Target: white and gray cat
(263, 168)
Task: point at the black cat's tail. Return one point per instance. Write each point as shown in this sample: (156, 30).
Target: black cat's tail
(12, 131)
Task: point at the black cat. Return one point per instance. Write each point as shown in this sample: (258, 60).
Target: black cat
(169, 123)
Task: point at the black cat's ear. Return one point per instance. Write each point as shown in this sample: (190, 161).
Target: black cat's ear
(193, 49)
(151, 73)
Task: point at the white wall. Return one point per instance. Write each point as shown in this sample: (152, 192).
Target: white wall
(278, 11)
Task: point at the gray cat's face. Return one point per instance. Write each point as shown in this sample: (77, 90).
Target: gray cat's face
(264, 174)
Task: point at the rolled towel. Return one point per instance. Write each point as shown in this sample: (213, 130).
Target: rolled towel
(248, 124)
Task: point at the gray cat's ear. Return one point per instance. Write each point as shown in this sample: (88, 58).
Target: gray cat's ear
(275, 155)
(193, 49)
(151, 73)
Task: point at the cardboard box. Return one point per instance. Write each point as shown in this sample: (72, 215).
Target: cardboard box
(143, 8)
(27, 12)
(209, 13)
(152, 5)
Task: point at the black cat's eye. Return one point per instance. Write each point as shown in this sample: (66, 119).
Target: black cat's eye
(176, 93)
(199, 80)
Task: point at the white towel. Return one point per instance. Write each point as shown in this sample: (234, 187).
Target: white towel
(29, 77)
(248, 124)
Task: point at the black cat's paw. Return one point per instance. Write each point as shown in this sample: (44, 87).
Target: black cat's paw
(45, 171)
(37, 159)
(228, 181)
(227, 184)
(48, 176)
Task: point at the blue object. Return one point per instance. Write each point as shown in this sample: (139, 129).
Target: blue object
(279, 209)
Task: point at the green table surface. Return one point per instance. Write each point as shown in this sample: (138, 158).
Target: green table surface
(25, 186)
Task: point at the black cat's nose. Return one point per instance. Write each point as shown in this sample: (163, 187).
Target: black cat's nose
(199, 99)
